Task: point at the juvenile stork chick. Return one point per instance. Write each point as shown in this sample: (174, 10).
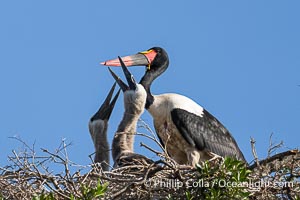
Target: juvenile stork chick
(134, 102)
(98, 125)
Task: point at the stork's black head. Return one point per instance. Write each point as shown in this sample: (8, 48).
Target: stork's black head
(159, 63)
(155, 59)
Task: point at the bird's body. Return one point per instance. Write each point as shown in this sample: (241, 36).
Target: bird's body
(192, 131)
(166, 129)
(188, 132)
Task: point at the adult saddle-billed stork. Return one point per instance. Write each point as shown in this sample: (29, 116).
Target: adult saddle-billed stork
(188, 132)
(98, 125)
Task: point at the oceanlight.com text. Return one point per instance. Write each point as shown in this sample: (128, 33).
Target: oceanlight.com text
(257, 185)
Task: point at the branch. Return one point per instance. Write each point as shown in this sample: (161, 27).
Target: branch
(279, 156)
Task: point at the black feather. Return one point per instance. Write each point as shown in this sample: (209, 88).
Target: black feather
(206, 133)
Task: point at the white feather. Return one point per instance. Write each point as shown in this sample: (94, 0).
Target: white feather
(164, 103)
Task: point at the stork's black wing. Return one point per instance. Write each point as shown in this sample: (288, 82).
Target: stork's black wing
(206, 133)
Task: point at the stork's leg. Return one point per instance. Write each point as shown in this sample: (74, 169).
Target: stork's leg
(193, 157)
(214, 156)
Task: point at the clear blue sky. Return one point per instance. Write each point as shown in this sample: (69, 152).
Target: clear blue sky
(238, 59)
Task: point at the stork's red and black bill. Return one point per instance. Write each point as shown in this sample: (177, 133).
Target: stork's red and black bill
(140, 59)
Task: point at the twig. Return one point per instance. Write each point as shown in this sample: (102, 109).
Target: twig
(254, 151)
(153, 135)
(150, 149)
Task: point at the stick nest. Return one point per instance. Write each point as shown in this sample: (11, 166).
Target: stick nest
(30, 175)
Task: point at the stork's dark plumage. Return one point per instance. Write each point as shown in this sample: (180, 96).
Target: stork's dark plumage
(189, 133)
(98, 125)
